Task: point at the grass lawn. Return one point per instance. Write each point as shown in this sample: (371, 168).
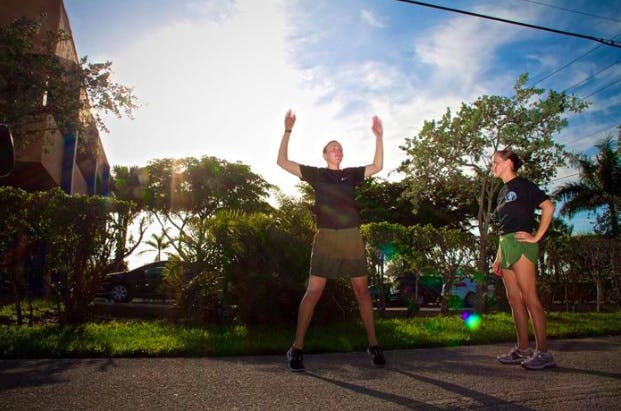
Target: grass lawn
(156, 338)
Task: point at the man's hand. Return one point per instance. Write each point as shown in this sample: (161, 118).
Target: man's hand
(283, 151)
(377, 127)
(289, 120)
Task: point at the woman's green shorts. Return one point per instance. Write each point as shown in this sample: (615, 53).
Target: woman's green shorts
(511, 250)
(338, 253)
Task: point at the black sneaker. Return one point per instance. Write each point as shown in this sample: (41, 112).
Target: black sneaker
(377, 356)
(295, 359)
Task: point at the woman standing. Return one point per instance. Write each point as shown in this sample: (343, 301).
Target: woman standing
(517, 255)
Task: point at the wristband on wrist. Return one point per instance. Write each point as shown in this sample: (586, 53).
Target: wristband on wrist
(288, 130)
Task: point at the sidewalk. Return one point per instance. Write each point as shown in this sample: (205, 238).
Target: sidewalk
(588, 377)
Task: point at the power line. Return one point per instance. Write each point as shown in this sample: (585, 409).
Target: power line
(602, 130)
(591, 76)
(602, 89)
(572, 62)
(606, 42)
(564, 177)
(573, 11)
(566, 65)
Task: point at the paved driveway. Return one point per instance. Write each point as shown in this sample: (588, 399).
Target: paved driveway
(588, 378)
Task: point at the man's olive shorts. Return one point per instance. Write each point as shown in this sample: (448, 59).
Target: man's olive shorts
(338, 253)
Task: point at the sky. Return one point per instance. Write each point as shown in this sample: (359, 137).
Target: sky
(216, 77)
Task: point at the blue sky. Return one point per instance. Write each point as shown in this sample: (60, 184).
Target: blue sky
(216, 77)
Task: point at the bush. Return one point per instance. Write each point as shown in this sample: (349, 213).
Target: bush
(201, 300)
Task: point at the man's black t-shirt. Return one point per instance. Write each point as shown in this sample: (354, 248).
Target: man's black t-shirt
(517, 201)
(335, 206)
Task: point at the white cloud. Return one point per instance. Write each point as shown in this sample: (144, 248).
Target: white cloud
(463, 48)
(369, 18)
(216, 10)
(222, 88)
(220, 84)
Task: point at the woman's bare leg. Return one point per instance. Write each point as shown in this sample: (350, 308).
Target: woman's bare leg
(518, 309)
(525, 273)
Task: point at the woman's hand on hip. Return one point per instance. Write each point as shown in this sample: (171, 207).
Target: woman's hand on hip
(525, 237)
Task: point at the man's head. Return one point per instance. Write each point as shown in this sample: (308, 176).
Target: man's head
(333, 154)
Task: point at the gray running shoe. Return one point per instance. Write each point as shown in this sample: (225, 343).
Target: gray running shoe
(539, 361)
(515, 356)
(295, 359)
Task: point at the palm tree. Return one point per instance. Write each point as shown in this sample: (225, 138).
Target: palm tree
(599, 186)
(158, 243)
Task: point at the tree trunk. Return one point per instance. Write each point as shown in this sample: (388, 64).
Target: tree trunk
(614, 220)
(481, 304)
(566, 297)
(600, 294)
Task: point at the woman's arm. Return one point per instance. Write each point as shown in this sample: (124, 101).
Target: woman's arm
(547, 211)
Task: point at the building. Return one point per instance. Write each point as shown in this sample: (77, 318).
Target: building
(75, 162)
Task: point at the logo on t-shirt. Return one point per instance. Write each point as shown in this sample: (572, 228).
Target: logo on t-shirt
(510, 196)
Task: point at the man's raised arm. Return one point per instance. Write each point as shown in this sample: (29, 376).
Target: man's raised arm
(378, 158)
(283, 152)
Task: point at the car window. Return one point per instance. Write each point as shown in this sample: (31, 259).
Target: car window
(154, 273)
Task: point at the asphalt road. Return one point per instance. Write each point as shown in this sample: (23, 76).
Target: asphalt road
(588, 377)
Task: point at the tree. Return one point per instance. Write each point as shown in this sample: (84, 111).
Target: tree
(382, 201)
(254, 264)
(158, 243)
(34, 80)
(78, 234)
(384, 241)
(128, 184)
(599, 187)
(14, 206)
(447, 251)
(455, 152)
(177, 190)
(389, 201)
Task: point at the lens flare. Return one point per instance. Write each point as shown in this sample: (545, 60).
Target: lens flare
(471, 320)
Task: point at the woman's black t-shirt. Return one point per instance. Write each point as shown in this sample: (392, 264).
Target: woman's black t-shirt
(335, 206)
(517, 201)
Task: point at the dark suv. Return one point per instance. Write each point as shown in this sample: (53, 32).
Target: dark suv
(146, 281)
(429, 289)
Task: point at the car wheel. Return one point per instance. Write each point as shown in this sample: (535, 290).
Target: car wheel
(119, 293)
(470, 299)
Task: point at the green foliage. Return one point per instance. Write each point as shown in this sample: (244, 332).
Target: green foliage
(580, 269)
(203, 186)
(252, 263)
(189, 191)
(44, 310)
(201, 299)
(382, 201)
(31, 72)
(77, 235)
(129, 184)
(422, 249)
(599, 187)
(453, 154)
(158, 243)
(450, 252)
